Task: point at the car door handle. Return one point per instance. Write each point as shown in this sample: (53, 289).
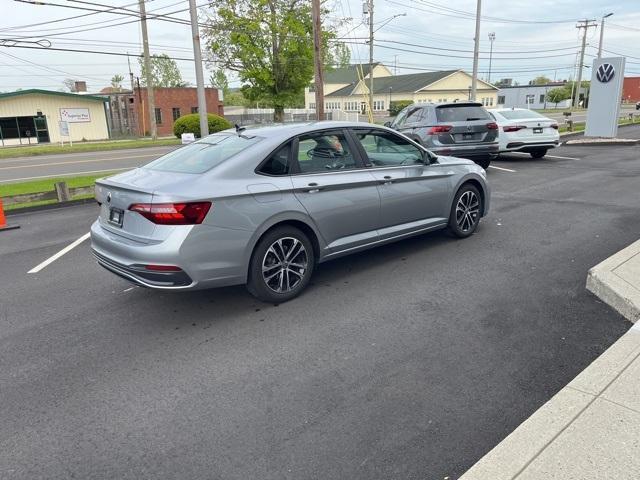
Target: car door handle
(387, 180)
(312, 190)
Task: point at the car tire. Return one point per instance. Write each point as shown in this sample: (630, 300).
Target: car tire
(484, 162)
(270, 277)
(466, 211)
(538, 153)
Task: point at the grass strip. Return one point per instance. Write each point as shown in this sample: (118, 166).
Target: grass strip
(79, 147)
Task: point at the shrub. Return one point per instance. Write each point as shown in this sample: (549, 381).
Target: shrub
(191, 124)
(397, 106)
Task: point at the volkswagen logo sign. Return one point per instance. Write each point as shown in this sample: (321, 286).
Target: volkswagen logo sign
(605, 72)
(109, 197)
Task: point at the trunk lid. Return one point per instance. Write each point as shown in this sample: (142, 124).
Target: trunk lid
(468, 124)
(117, 193)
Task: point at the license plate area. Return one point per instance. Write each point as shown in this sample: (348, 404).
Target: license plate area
(116, 215)
(467, 136)
(537, 130)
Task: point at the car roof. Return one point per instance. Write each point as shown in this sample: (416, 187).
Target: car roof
(287, 130)
(446, 104)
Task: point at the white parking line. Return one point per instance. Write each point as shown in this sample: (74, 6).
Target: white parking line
(53, 258)
(562, 158)
(546, 156)
(503, 169)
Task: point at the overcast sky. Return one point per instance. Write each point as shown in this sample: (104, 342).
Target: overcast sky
(440, 38)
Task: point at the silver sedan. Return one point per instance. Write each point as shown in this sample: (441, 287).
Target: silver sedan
(262, 206)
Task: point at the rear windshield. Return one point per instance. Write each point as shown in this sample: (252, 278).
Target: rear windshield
(461, 113)
(519, 114)
(202, 155)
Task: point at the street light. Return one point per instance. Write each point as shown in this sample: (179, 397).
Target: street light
(602, 34)
(492, 37)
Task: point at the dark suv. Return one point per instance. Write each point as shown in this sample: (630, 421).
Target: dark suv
(462, 129)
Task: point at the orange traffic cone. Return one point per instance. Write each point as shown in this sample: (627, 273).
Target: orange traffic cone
(3, 220)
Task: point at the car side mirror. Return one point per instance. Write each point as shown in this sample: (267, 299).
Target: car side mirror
(387, 124)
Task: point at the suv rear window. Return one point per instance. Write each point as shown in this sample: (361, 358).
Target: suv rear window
(519, 114)
(203, 155)
(461, 113)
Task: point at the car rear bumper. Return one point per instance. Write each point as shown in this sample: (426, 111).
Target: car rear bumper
(524, 146)
(467, 151)
(208, 256)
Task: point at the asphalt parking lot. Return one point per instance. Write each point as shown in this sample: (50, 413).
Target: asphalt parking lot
(409, 361)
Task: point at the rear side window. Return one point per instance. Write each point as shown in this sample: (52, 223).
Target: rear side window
(416, 115)
(461, 113)
(519, 114)
(278, 162)
(324, 152)
(203, 155)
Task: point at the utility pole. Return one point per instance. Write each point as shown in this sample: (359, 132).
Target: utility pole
(370, 58)
(151, 104)
(602, 34)
(492, 37)
(317, 58)
(583, 24)
(130, 74)
(476, 52)
(197, 56)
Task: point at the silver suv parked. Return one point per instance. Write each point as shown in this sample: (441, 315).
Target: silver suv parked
(460, 129)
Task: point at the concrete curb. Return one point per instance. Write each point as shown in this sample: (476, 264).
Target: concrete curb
(589, 429)
(574, 135)
(601, 143)
(616, 281)
(570, 436)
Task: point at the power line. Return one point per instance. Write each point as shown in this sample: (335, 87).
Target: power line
(20, 27)
(96, 52)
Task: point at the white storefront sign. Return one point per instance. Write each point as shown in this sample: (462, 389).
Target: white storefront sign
(605, 94)
(75, 115)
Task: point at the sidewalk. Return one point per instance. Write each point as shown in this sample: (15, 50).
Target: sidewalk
(591, 428)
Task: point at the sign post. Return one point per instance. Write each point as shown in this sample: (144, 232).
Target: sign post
(605, 95)
(65, 132)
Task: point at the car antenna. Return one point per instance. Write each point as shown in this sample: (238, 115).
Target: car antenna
(239, 129)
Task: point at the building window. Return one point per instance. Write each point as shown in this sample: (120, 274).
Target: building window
(491, 101)
(542, 98)
(194, 109)
(500, 99)
(176, 113)
(158, 116)
(312, 105)
(378, 105)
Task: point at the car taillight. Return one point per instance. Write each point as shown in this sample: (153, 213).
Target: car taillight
(554, 126)
(439, 129)
(173, 213)
(492, 126)
(513, 128)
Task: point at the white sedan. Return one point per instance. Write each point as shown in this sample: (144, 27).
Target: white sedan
(522, 130)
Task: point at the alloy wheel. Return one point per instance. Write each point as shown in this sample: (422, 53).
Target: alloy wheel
(467, 211)
(284, 264)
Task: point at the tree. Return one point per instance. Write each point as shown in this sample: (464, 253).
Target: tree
(164, 72)
(116, 82)
(70, 84)
(218, 80)
(269, 44)
(540, 80)
(558, 95)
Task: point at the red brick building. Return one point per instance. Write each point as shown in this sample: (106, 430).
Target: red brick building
(631, 89)
(172, 103)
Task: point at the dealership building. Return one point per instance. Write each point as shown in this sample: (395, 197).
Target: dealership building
(43, 116)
